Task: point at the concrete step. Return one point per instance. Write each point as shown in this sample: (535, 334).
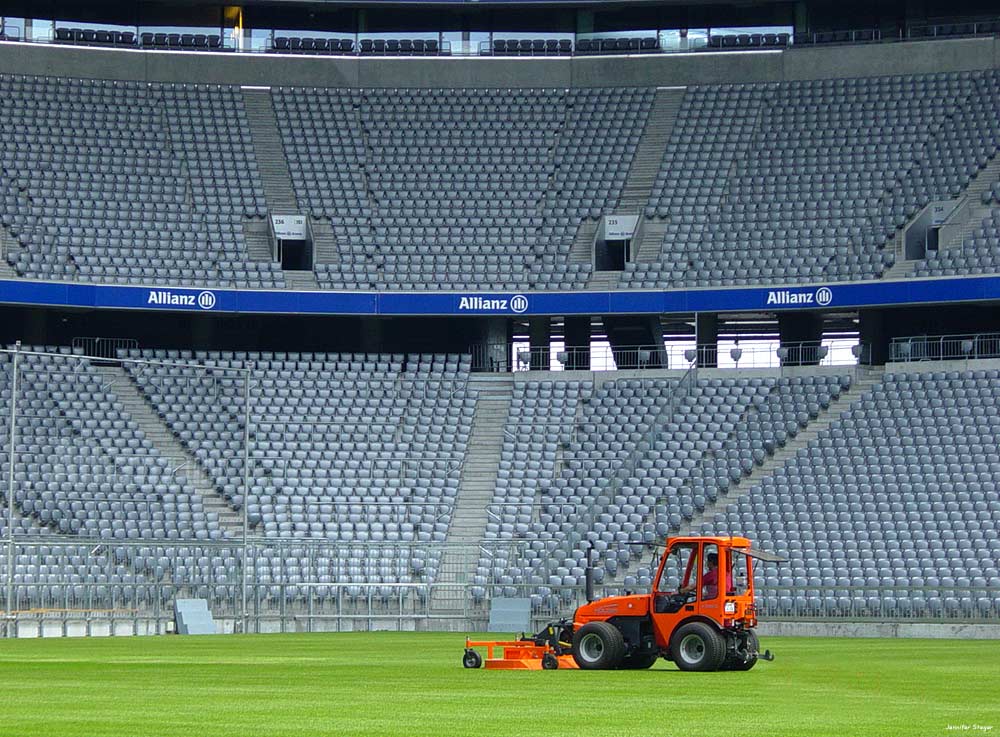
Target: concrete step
(8, 247)
(649, 153)
(582, 250)
(300, 280)
(603, 280)
(900, 270)
(985, 179)
(258, 239)
(325, 248)
(272, 164)
(650, 246)
(117, 381)
(476, 486)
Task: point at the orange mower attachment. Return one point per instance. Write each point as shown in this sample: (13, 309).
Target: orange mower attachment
(544, 651)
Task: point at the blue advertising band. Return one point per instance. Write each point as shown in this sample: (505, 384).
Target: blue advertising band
(682, 301)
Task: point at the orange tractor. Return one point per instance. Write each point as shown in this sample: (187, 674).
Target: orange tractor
(700, 613)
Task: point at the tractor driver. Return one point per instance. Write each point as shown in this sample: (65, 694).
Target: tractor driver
(710, 579)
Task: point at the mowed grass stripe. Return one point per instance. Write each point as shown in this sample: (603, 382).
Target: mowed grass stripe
(412, 684)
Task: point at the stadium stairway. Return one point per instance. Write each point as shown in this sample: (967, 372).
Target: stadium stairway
(8, 246)
(864, 381)
(271, 162)
(649, 153)
(258, 239)
(301, 280)
(582, 250)
(603, 281)
(476, 487)
(638, 185)
(324, 242)
(118, 382)
(971, 219)
(648, 249)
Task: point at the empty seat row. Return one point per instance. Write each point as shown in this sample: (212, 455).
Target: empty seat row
(624, 45)
(733, 41)
(403, 47)
(529, 47)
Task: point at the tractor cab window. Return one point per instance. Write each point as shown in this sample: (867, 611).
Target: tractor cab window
(680, 571)
(710, 573)
(740, 572)
(678, 584)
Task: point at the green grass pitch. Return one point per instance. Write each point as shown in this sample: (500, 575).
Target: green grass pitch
(413, 684)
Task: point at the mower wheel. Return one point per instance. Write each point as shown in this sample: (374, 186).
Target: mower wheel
(639, 661)
(598, 646)
(550, 662)
(472, 659)
(698, 646)
(753, 645)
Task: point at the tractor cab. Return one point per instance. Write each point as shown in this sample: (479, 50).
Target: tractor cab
(704, 577)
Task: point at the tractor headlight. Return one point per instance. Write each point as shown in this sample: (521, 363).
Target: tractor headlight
(730, 607)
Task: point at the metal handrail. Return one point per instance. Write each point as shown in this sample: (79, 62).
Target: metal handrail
(103, 347)
(945, 347)
(609, 357)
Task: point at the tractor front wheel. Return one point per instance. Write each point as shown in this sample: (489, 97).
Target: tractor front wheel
(472, 659)
(598, 646)
(697, 646)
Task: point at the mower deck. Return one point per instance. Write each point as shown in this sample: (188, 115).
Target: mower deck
(520, 655)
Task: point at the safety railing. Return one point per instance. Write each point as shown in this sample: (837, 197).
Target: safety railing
(103, 347)
(305, 584)
(601, 356)
(945, 347)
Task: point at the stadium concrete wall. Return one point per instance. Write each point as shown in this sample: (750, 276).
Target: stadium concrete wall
(584, 71)
(931, 630)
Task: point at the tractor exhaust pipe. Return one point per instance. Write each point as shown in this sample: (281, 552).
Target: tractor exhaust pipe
(588, 575)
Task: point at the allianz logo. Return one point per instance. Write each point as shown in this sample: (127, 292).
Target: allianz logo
(822, 297)
(518, 303)
(165, 298)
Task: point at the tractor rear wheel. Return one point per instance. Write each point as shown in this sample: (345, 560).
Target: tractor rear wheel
(598, 646)
(697, 646)
(639, 661)
(753, 645)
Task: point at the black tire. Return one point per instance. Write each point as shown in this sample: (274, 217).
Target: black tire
(639, 661)
(472, 659)
(753, 645)
(598, 646)
(697, 646)
(550, 662)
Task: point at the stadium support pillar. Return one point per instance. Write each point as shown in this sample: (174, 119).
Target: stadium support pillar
(636, 340)
(371, 334)
(801, 327)
(872, 333)
(203, 332)
(35, 327)
(494, 349)
(706, 334)
(577, 334)
(540, 342)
